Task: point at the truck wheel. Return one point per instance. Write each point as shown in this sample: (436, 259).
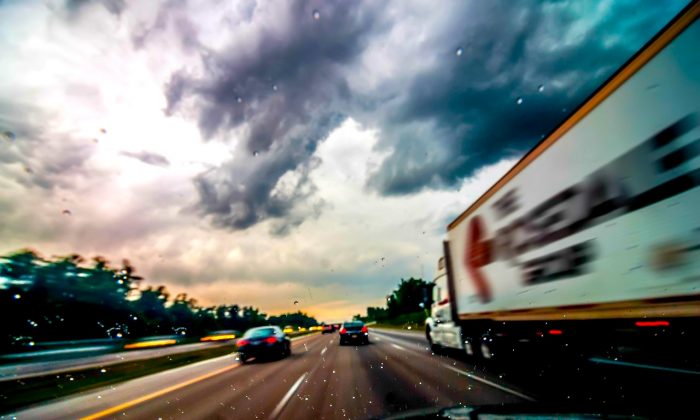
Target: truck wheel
(486, 348)
(469, 347)
(435, 348)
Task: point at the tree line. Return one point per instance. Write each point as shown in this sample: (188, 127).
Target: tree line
(409, 302)
(71, 298)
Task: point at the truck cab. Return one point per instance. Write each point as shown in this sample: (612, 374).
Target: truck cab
(440, 329)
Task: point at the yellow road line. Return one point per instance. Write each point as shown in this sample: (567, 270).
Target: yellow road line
(156, 394)
(163, 391)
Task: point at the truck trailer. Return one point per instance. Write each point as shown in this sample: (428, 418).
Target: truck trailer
(589, 246)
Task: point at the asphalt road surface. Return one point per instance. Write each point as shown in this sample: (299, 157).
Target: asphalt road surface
(395, 373)
(320, 380)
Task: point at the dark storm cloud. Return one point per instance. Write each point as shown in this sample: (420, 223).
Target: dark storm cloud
(289, 84)
(148, 158)
(284, 89)
(465, 114)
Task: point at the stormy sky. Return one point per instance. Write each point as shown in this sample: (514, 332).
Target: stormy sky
(262, 152)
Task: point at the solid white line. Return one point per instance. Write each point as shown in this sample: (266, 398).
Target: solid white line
(396, 346)
(287, 396)
(643, 366)
(324, 350)
(487, 382)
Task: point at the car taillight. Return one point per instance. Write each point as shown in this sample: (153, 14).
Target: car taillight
(364, 329)
(270, 340)
(242, 343)
(652, 323)
(343, 330)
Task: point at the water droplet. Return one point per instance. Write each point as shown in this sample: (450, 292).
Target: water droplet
(17, 296)
(316, 15)
(103, 131)
(98, 397)
(519, 101)
(274, 87)
(239, 99)
(256, 153)
(540, 88)
(28, 170)
(459, 52)
(67, 212)
(9, 135)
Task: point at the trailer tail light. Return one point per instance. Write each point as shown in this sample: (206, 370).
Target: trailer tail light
(556, 332)
(343, 330)
(364, 329)
(270, 340)
(652, 323)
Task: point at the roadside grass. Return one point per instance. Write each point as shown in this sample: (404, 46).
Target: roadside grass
(408, 327)
(20, 393)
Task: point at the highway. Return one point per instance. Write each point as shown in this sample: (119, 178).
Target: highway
(321, 379)
(395, 373)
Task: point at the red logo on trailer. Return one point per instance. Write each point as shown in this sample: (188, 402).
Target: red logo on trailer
(477, 255)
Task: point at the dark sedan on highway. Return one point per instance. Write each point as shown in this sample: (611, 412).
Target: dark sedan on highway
(354, 332)
(263, 342)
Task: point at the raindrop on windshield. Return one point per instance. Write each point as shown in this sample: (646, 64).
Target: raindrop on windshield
(103, 131)
(316, 14)
(239, 99)
(9, 135)
(274, 87)
(459, 51)
(519, 101)
(296, 302)
(28, 170)
(256, 153)
(540, 88)
(67, 212)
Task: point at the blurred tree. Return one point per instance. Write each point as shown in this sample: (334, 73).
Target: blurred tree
(296, 319)
(412, 295)
(49, 300)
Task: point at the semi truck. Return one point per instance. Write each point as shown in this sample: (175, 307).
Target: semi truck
(589, 246)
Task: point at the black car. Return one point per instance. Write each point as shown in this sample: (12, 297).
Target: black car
(355, 332)
(263, 342)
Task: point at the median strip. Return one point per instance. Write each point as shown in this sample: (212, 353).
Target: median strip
(44, 387)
